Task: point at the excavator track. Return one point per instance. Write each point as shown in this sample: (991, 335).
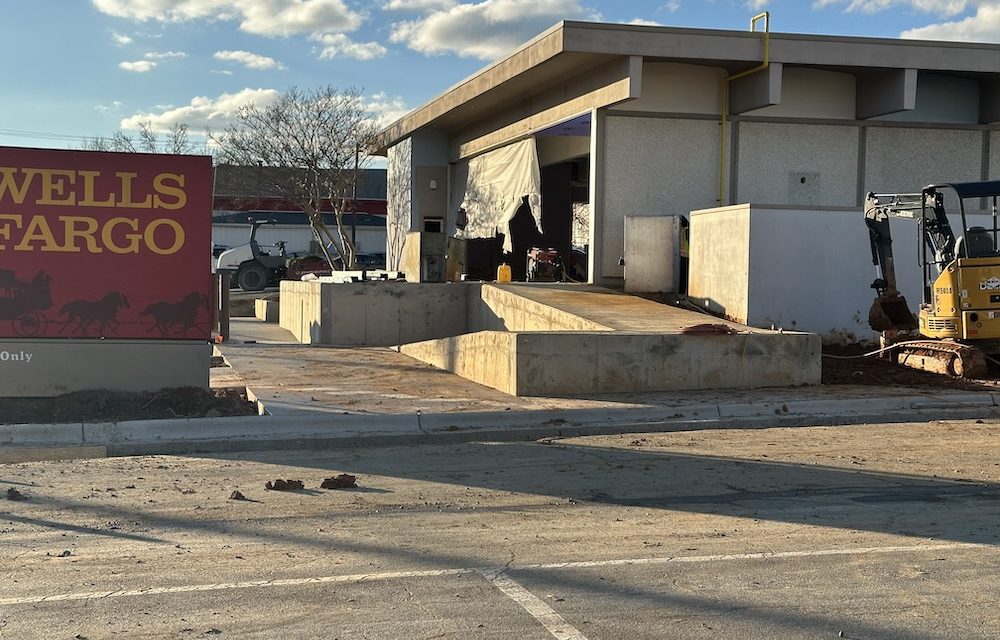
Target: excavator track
(943, 356)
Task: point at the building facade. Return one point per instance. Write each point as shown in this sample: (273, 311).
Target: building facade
(635, 120)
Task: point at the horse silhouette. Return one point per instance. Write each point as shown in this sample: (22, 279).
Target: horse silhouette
(104, 311)
(184, 314)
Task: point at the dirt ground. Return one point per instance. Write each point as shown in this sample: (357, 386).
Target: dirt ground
(881, 372)
(115, 406)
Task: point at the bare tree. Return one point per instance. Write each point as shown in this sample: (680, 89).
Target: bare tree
(176, 141)
(319, 137)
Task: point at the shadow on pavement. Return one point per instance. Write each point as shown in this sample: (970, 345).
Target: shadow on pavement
(899, 504)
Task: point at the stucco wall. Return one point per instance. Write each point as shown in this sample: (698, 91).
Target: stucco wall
(903, 159)
(672, 87)
(814, 93)
(797, 164)
(654, 166)
(399, 194)
(946, 99)
(994, 157)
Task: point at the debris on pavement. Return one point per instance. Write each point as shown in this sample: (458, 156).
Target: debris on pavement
(342, 481)
(710, 329)
(236, 495)
(284, 485)
(15, 495)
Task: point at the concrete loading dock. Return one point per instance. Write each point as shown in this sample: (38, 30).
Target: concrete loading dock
(549, 340)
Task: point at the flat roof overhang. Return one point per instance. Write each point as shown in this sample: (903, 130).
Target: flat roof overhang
(572, 48)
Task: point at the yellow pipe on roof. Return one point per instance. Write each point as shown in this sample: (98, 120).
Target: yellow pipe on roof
(723, 146)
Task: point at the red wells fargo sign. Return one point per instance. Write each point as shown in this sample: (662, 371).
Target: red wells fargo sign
(104, 245)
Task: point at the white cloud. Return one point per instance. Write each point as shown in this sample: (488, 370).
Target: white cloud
(222, 72)
(385, 109)
(108, 108)
(203, 112)
(757, 5)
(337, 44)
(645, 23)
(983, 26)
(121, 39)
(138, 66)
(262, 17)
(486, 29)
(673, 5)
(418, 5)
(165, 55)
(248, 60)
(939, 7)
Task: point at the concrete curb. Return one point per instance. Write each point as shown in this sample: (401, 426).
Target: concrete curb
(219, 435)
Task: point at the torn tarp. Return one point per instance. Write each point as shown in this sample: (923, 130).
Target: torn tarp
(493, 186)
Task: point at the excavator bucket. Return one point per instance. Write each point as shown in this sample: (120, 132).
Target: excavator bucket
(891, 313)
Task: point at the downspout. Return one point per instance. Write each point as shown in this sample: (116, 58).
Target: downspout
(723, 138)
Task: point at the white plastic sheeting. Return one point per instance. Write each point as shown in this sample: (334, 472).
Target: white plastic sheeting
(493, 186)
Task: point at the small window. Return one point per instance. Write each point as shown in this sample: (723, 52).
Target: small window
(433, 225)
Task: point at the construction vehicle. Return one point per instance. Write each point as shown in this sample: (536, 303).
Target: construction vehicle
(959, 315)
(252, 267)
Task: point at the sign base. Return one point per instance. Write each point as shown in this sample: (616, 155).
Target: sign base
(41, 368)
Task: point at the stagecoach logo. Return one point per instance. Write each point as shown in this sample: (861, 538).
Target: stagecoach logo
(15, 356)
(992, 284)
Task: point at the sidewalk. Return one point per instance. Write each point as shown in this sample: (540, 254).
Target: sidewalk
(342, 398)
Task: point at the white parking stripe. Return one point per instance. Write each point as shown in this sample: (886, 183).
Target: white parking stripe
(225, 586)
(764, 555)
(486, 571)
(543, 613)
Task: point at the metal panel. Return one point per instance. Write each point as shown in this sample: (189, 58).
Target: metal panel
(652, 254)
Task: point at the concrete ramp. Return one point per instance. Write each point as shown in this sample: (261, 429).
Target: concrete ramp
(549, 339)
(559, 340)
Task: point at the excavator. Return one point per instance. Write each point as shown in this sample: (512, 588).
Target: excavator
(959, 316)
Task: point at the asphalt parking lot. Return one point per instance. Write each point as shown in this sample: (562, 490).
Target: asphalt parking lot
(868, 531)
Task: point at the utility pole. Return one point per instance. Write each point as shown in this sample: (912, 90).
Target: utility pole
(354, 198)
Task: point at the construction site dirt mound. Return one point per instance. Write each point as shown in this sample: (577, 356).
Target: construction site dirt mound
(878, 371)
(116, 406)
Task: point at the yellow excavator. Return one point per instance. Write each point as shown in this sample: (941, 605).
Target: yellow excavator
(960, 312)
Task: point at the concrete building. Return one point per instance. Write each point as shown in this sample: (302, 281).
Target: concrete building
(629, 120)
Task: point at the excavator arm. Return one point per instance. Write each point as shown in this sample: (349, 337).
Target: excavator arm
(890, 312)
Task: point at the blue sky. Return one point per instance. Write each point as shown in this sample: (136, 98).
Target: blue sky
(83, 68)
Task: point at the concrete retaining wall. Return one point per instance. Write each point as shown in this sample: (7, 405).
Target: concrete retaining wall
(378, 314)
(559, 364)
(486, 357)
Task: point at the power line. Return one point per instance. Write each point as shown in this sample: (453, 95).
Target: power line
(21, 133)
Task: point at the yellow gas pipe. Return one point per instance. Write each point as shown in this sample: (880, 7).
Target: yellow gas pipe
(723, 147)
